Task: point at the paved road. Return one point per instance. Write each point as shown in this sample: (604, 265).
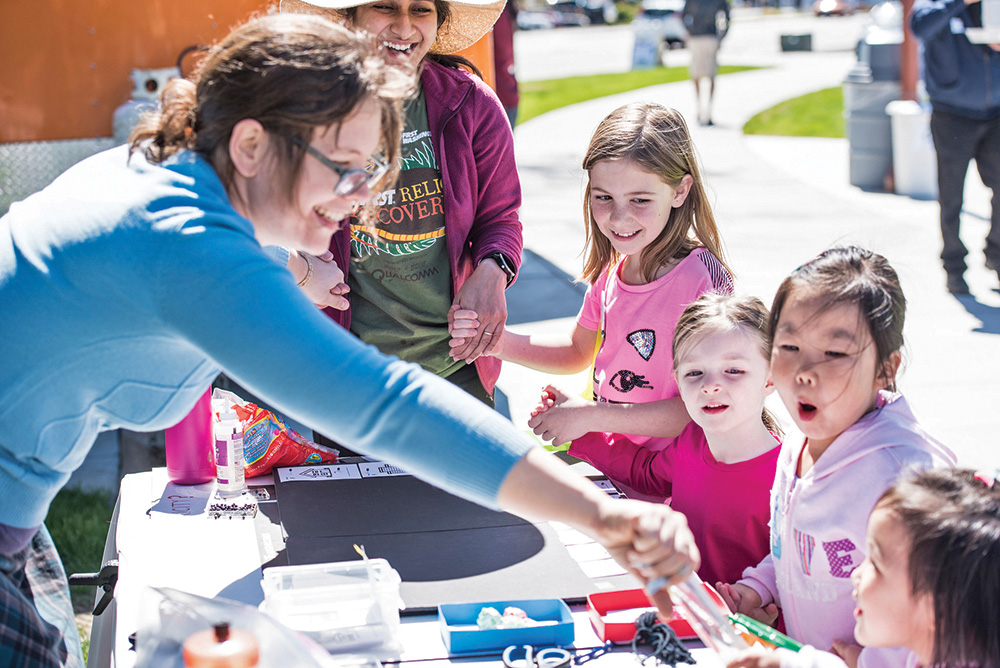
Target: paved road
(754, 39)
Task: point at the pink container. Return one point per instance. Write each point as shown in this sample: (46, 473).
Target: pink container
(189, 445)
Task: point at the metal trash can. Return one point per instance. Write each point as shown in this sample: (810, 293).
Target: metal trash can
(796, 42)
(914, 161)
(868, 127)
(870, 85)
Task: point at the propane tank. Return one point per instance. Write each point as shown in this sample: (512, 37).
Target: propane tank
(147, 85)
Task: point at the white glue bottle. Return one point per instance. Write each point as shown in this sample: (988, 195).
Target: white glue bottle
(229, 459)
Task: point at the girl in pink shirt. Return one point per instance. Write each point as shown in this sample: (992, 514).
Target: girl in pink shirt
(720, 469)
(652, 248)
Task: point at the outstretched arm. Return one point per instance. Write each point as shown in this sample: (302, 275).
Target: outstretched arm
(560, 417)
(650, 540)
(552, 353)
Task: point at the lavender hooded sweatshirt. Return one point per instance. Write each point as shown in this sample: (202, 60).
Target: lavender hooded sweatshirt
(819, 521)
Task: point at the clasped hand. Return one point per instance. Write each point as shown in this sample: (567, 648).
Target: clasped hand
(478, 314)
(560, 417)
(743, 599)
(326, 287)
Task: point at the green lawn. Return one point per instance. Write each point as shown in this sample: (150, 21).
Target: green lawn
(819, 114)
(78, 522)
(538, 97)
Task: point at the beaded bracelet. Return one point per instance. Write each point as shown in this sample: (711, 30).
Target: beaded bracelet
(309, 270)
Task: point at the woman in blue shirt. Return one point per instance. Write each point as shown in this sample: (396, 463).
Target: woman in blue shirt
(136, 276)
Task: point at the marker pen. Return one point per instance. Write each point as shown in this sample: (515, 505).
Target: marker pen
(765, 632)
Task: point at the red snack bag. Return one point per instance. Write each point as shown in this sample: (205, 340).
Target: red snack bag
(268, 442)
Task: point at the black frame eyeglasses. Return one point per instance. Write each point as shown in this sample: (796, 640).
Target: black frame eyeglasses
(350, 180)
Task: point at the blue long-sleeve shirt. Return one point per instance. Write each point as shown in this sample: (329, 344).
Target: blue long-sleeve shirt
(961, 77)
(125, 287)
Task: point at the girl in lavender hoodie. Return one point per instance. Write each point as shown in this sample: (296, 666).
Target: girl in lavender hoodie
(930, 582)
(836, 331)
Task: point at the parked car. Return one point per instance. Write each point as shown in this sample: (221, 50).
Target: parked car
(664, 17)
(834, 7)
(532, 20)
(594, 11)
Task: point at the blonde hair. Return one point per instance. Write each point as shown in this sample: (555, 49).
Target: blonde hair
(713, 313)
(657, 140)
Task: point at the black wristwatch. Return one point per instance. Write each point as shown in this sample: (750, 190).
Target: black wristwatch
(505, 265)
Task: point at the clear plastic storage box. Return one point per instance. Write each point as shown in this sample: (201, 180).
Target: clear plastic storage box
(344, 606)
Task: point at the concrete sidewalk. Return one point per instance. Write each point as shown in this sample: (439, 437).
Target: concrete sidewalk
(779, 202)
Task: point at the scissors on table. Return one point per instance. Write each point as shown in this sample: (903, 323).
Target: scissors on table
(526, 656)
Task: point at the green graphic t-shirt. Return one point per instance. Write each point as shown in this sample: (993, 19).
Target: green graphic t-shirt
(401, 280)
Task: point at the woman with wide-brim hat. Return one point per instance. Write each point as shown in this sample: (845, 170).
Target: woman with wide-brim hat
(448, 234)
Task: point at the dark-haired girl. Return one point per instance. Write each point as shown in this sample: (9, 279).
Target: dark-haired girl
(930, 582)
(836, 331)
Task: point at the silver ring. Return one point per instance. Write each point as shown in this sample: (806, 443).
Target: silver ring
(487, 333)
(656, 584)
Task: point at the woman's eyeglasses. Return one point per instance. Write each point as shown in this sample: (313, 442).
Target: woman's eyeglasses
(350, 180)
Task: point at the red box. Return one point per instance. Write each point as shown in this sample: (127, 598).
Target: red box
(599, 606)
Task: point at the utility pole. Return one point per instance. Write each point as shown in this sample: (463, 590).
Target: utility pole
(908, 67)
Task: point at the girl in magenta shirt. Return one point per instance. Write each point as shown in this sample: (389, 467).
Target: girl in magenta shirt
(720, 469)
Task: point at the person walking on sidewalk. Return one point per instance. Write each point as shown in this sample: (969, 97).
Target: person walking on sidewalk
(707, 21)
(963, 82)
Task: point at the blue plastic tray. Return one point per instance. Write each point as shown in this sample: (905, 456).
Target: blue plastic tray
(460, 634)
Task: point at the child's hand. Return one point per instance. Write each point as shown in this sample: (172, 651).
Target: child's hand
(326, 287)
(741, 598)
(547, 401)
(847, 651)
(560, 417)
(551, 396)
(463, 325)
(756, 657)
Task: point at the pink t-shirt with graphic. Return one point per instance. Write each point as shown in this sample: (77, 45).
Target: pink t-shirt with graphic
(635, 362)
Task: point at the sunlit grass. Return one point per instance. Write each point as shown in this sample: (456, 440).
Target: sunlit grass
(539, 97)
(818, 114)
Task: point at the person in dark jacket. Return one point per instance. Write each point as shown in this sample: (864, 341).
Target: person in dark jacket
(706, 22)
(963, 82)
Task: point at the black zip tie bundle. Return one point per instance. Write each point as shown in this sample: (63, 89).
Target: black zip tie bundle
(667, 647)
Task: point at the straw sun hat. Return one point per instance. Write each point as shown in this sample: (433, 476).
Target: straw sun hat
(469, 21)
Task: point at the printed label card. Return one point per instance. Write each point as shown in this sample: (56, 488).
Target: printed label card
(379, 470)
(318, 472)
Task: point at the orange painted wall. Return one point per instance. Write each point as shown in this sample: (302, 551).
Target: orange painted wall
(66, 63)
